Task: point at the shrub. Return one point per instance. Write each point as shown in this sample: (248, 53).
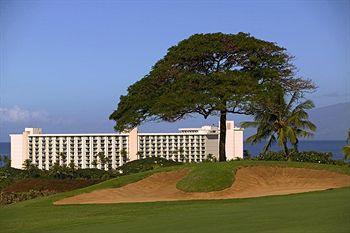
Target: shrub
(312, 156)
(304, 156)
(9, 175)
(272, 155)
(210, 158)
(56, 185)
(12, 197)
(246, 154)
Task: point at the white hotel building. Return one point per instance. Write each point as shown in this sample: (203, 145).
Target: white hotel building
(188, 145)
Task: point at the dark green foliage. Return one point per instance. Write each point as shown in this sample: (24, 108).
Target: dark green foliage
(210, 158)
(312, 157)
(14, 197)
(40, 184)
(32, 170)
(304, 156)
(246, 154)
(147, 164)
(346, 149)
(5, 161)
(279, 120)
(29, 188)
(208, 74)
(9, 175)
(272, 156)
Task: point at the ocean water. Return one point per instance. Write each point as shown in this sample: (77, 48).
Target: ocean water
(324, 146)
(5, 148)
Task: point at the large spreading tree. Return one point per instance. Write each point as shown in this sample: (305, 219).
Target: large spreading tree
(209, 74)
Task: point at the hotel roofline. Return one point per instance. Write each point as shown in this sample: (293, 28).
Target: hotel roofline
(190, 131)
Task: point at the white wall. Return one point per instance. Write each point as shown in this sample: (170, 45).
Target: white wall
(133, 144)
(16, 150)
(238, 143)
(212, 145)
(230, 152)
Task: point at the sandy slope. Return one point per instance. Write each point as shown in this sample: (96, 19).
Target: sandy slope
(249, 182)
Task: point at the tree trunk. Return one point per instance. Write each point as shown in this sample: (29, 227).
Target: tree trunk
(222, 141)
(285, 147)
(295, 145)
(267, 146)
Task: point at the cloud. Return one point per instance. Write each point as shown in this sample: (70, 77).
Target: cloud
(16, 114)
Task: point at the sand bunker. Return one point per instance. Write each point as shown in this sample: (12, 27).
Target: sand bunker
(249, 182)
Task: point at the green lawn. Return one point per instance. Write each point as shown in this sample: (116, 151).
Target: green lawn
(325, 211)
(207, 177)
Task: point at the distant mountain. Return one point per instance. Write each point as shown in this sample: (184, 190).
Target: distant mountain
(332, 121)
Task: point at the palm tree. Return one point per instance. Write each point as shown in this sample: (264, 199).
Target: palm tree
(124, 155)
(6, 161)
(72, 166)
(346, 149)
(175, 154)
(27, 164)
(94, 163)
(281, 121)
(139, 154)
(63, 156)
(102, 159)
(109, 163)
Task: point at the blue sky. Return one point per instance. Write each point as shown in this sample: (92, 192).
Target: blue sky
(64, 64)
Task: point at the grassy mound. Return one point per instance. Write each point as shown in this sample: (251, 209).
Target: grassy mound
(147, 164)
(207, 177)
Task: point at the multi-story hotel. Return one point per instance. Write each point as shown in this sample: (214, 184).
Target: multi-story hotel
(188, 145)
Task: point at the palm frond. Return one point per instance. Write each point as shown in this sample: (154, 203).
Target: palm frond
(346, 151)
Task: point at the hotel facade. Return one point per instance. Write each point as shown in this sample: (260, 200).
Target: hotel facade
(188, 145)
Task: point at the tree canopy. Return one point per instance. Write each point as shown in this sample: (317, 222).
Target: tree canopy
(209, 74)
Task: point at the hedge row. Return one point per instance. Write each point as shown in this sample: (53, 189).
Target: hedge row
(304, 156)
(13, 197)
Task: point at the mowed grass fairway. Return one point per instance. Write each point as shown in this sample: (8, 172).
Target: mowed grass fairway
(322, 211)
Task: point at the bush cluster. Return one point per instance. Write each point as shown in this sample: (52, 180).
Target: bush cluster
(9, 174)
(13, 197)
(304, 156)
